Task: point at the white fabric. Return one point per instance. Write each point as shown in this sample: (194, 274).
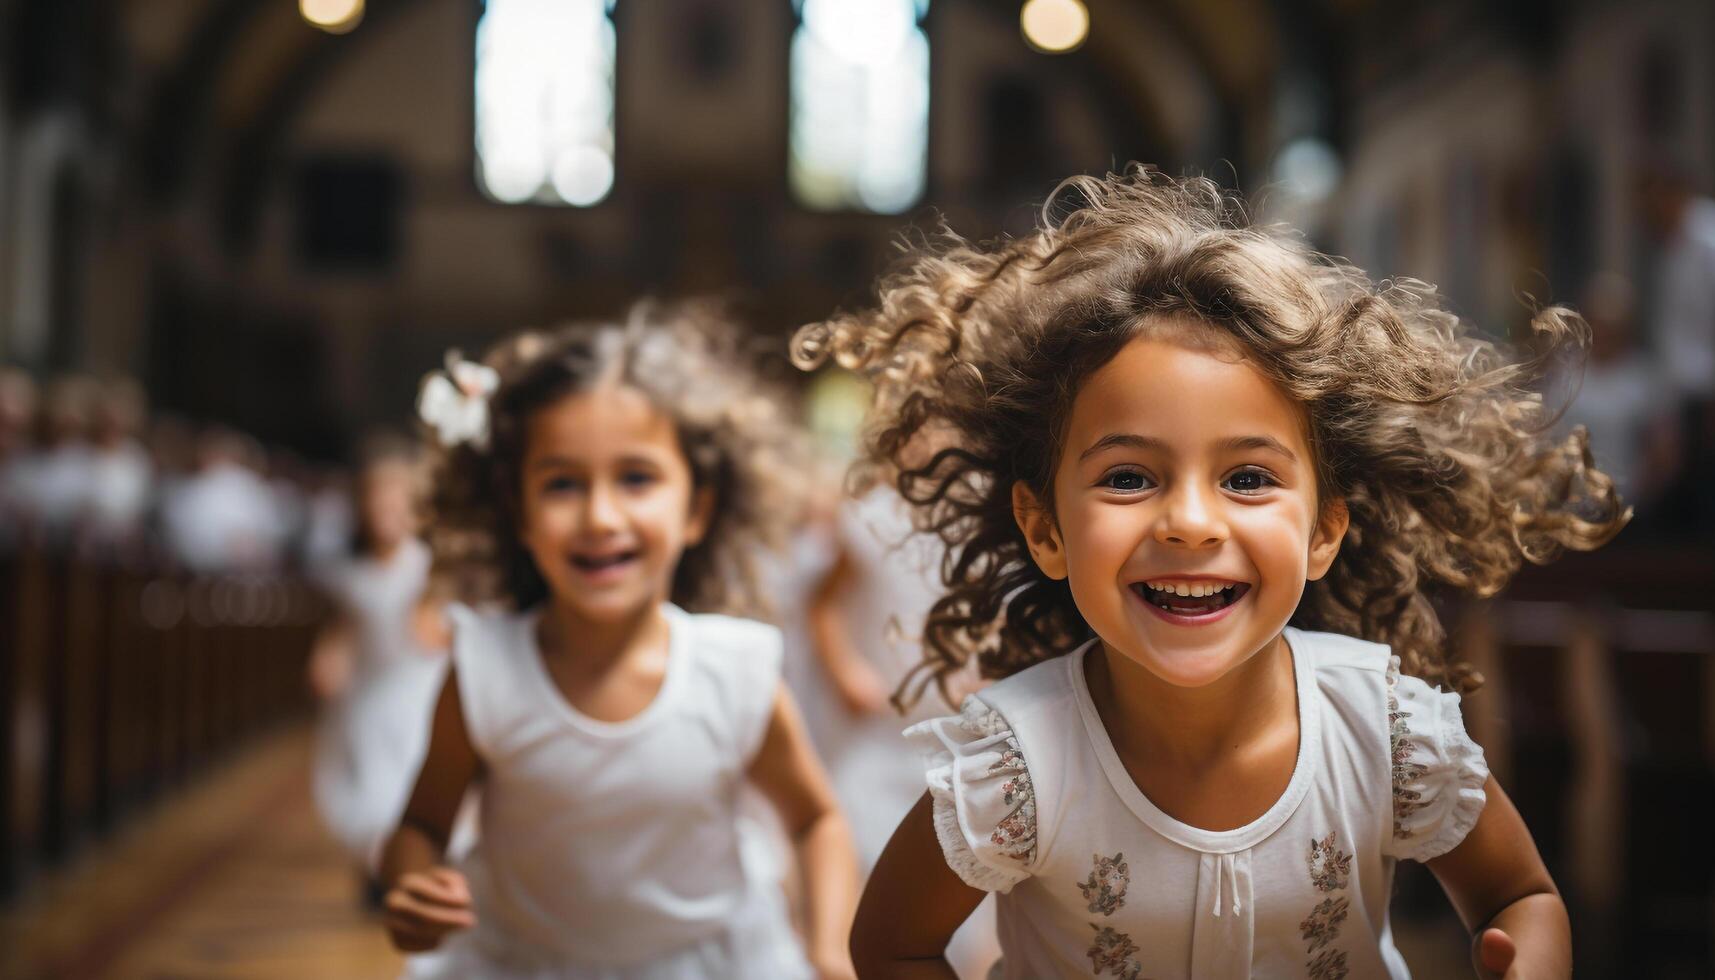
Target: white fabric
(373, 736)
(222, 518)
(1032, 802)
(614, 850)
(894, 581)
(1685, 303)
(1616, 402)
(121, 483)
(52, 487)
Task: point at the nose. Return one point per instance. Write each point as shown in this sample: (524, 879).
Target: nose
(1190, 519)
(601, 508)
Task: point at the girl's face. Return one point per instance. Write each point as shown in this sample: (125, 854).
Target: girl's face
(386, 505)
(1184, 472)
(608, 501)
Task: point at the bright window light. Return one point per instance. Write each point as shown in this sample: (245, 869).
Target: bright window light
(859, 128)
(544, 101)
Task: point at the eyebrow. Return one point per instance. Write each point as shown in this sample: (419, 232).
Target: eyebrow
(1121, 440)
(551, 460)
(1131, 440)
(1266, 443)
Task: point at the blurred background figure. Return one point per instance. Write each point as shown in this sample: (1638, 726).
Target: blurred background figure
(17, 424)
(1618, 397)
(371, 668)
(223, 516)
(274, 217)
(54, 477)
(1682, 222)
(328, 514)
(866, 616)
(121, 487)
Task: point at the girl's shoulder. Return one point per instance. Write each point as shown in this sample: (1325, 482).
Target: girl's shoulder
(1336, 653)
(1411, 734)
(986, 765)
(729, 650)
(737, 666)
(1350, 674)
(729, 636)
(487, 626)
(1042, 689)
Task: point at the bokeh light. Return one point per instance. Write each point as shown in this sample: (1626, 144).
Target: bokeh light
(333, 16)
(1054, 26)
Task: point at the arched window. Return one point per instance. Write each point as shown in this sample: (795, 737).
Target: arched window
(859, 124)
(544, 101)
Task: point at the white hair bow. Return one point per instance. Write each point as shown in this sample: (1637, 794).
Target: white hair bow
(455, 402)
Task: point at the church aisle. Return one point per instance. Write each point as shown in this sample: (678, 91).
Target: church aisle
(231, 878)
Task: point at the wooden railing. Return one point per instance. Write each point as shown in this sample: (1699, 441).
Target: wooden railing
(119, 682)
(1598, 717)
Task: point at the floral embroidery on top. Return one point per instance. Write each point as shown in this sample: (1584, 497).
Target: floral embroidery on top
(1115, 953)
(1015, 833)
(1105, 888)
(1330, 867)
(1406, 800)
(1323, 924)
(1331, 965)
(1330, 871)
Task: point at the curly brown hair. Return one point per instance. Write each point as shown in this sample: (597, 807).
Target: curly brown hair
(694, 367)
(1429, 433)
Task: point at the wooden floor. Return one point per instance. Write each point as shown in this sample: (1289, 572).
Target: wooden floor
(232, 878)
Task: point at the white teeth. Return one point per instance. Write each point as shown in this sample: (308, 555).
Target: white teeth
(1189, 589)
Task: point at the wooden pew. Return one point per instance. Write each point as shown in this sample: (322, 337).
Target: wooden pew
(24, 690)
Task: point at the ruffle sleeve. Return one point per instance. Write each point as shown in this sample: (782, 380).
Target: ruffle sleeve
(1438, 772)
(984, 804)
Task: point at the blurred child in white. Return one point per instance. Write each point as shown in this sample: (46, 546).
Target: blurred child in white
(866, 622)
(371, 665)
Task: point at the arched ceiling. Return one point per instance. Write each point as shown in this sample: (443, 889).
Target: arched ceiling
(228, 74)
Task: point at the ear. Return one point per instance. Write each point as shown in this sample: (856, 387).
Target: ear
(1046, 548)
(702, 515)
(1325, 540)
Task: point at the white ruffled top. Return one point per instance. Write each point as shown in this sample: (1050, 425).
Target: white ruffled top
(1032, 802)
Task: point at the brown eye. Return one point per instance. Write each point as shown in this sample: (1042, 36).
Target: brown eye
(1249, 481)
(1126, 481)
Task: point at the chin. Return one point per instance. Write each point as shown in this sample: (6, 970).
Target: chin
(1183, 664)
(1190, 672)
(607, 608)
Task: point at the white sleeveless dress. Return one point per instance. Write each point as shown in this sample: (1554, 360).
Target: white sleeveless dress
(612, 850)
(1032, 802)
(373, 736)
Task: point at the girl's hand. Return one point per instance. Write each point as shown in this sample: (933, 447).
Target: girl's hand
(1493, 953)
(329, 674)
(424, 906)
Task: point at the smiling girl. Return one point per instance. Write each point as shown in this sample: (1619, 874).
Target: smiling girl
(610, 483)
(1202, 484)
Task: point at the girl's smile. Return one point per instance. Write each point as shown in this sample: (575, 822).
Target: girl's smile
(1190, 602)
(601, 568)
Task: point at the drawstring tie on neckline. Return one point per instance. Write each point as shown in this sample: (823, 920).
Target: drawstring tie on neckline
(1224, 869)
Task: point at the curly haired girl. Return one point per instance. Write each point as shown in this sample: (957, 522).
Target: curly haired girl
(601, 488)
(1201, 482)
